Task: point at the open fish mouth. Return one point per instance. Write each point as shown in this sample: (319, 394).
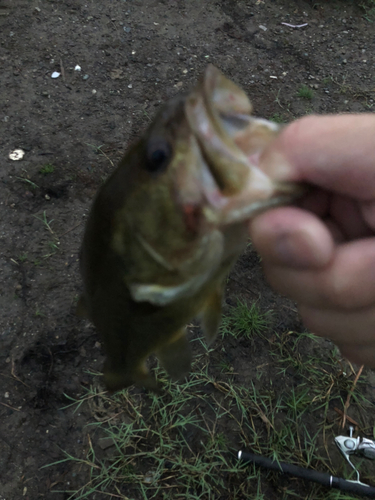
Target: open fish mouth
(230, 141)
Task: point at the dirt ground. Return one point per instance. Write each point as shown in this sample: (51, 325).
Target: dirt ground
(133, 55)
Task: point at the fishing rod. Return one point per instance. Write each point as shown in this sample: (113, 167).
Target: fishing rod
(347, 445)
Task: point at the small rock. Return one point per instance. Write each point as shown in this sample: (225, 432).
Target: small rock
(262, 27)
(47, 197)
(85, 77)
(106, 442)
(116, 74)
(17, 154)
(150, 477)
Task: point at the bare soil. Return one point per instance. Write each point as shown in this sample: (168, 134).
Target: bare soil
(133, 55)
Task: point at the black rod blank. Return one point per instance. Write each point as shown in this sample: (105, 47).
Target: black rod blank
(308, 474)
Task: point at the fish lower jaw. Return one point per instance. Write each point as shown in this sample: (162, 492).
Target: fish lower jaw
(240, 210)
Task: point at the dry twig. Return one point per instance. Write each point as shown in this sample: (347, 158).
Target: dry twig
(347, 402)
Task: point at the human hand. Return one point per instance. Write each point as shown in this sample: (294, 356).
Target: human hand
(322, 254)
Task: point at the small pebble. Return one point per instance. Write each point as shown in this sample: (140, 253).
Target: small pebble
(17, 154)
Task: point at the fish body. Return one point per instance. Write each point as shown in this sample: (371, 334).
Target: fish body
(168, 224)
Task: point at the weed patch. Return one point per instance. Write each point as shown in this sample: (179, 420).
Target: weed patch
(305, 92)
(176, 444)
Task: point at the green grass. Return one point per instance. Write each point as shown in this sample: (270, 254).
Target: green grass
(277, 118)
(47, 169)
(53, 243)
(22, 257)
(369, 8)
(327, 80)
(28, 181)
(246, 321)
(305, 92)
(183, 443)
(366, 6)
(98, 150)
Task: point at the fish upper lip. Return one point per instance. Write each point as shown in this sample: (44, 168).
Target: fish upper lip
(233, 187)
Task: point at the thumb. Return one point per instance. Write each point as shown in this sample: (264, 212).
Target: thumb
(335, 152)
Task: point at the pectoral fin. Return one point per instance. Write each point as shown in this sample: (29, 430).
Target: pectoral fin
(163, 295)
(211, 315)
(175, 357)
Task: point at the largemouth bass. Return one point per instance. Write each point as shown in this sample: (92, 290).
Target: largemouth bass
(168, 224)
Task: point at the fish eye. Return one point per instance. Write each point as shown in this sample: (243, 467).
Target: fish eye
(158, 155)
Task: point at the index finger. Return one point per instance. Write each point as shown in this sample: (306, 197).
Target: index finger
(334, 152)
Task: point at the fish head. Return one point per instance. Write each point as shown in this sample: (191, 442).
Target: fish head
(192, 183)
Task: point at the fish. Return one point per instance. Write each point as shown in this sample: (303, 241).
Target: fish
(169, 223)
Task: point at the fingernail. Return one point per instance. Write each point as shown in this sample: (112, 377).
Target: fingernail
(285, 250)
(297, 250)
